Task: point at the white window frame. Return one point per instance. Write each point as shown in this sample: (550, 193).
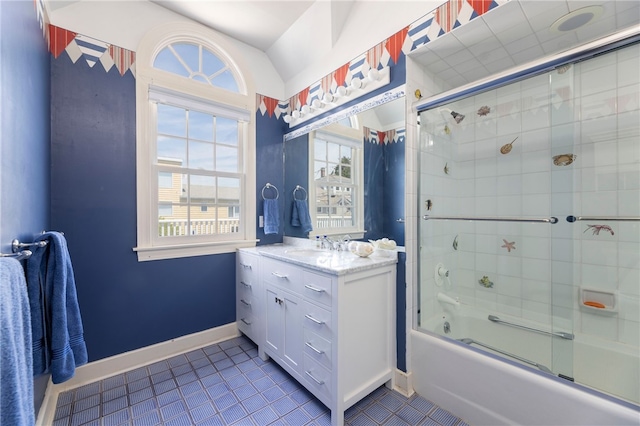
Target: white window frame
(345, 136)
(158, 81)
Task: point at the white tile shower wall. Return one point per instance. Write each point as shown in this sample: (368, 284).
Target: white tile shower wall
(591, 111)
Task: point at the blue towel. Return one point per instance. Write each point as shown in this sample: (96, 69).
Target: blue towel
(271, 216)
(58, 335)
(300, 215)
(16, 404)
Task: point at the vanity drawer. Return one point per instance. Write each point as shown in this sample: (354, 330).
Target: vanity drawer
(317, 377)
(318, 320)
(317, 287)
(281, 274)
(244, 290)
(317, 348)
(247, 325)
(247, 268)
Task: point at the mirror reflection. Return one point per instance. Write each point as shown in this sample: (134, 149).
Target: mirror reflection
(352, 173)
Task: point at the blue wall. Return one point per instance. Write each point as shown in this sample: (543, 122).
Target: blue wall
(125, 304)
(296, 171)
(24, 133)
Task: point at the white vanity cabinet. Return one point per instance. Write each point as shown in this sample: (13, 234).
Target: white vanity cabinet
(249, 296)
(333, 331)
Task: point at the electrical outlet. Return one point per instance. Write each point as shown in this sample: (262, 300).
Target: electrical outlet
(261, 221)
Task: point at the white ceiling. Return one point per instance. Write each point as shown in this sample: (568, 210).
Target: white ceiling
(516, 33)
(510, 35)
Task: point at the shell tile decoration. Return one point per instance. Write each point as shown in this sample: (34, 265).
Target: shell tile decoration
(563, 159)
(484, 110)
(506, 148)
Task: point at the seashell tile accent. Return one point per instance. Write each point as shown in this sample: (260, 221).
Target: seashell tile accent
(563, 159)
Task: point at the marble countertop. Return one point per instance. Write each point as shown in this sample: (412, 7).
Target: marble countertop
(303, 253)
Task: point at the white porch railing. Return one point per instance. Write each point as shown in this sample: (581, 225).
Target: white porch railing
(178, 227)
(336, 222)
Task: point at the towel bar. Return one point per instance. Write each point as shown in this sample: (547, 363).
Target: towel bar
(21, 255)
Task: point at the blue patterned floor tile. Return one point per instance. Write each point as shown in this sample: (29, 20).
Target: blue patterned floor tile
(255, 374)
(172, 410)
(196, 399)
(462, 423)
(181, 420)
(140, 395)
(88, 390)
(297, 417)
(190, 388)
(181, 369)
(211, 380)
(225, 401)
(114, 393)
(237, 381)
(166, 386)
(254, 403)
(278, 422)
(230, 372)
(218, 390)
(362, 420)
(233, 351)
(273, 393)
(240, 358)
(218, 356)
(324, 419)
(421, 404)
(117, 418)
(245, 392)
(62, 411)
(199, 363)
(85, 416)
(169, 397)
(112, 382)
(158, 367)
(203, 412)
(65, 398)
(223, 363)
(247, 365)
(149, 419)
(86, 403)
(139, 384)
(212, 421)
(210, 350)
(301, 396)
(233, 413)
(161, 376)
(186, 378)
(378, 412)
(428, 422)
(314, 408)
(264, 416)
(64, 421)
(137, 374)
(143, 407)
(379, 392)
(252, 353)
(196, 354)
(391, 402)
(206, 370)
(263, 384)
(115, 405)
(284, 405)
(443, 417)
(247, 421)
(177, 361)
(410, 415)
(396, 421)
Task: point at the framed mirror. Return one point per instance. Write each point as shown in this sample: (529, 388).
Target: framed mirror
(352, 173)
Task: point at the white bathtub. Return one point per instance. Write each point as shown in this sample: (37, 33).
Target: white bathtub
(483, 388)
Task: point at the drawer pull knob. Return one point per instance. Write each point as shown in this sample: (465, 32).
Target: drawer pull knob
(245, 302)
(244, 265)
(320, 382)
(245, 284)
(309, 317)
(275, 274)
(316, 350)
(312, 288)
(245, 321)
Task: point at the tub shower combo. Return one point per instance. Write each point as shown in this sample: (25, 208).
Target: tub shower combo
(529, 222)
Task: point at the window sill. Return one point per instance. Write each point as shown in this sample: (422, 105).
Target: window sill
(189, 250)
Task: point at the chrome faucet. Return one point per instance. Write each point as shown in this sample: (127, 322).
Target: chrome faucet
(344, 243)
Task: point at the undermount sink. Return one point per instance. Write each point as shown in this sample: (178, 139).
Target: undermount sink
(306, 252)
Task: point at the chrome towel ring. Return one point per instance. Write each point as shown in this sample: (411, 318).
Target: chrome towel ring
(267, 186)
(300, 188)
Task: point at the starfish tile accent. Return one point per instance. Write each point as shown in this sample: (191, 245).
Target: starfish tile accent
(509, 245)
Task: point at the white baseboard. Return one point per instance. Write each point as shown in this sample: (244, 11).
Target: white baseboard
(404, 383)
(127, 361)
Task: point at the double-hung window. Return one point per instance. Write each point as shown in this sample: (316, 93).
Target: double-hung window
(195, 166)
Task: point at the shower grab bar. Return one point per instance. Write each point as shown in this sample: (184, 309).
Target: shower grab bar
(500, 351)
(551, 220)
(572, 219)
(561, 334)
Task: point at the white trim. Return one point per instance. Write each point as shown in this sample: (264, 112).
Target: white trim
(127, 361)
(163, 83)
(168, 96)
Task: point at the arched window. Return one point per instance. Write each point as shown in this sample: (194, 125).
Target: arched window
(195, 170)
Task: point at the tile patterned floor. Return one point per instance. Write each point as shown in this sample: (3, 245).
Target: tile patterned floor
(228, 384)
